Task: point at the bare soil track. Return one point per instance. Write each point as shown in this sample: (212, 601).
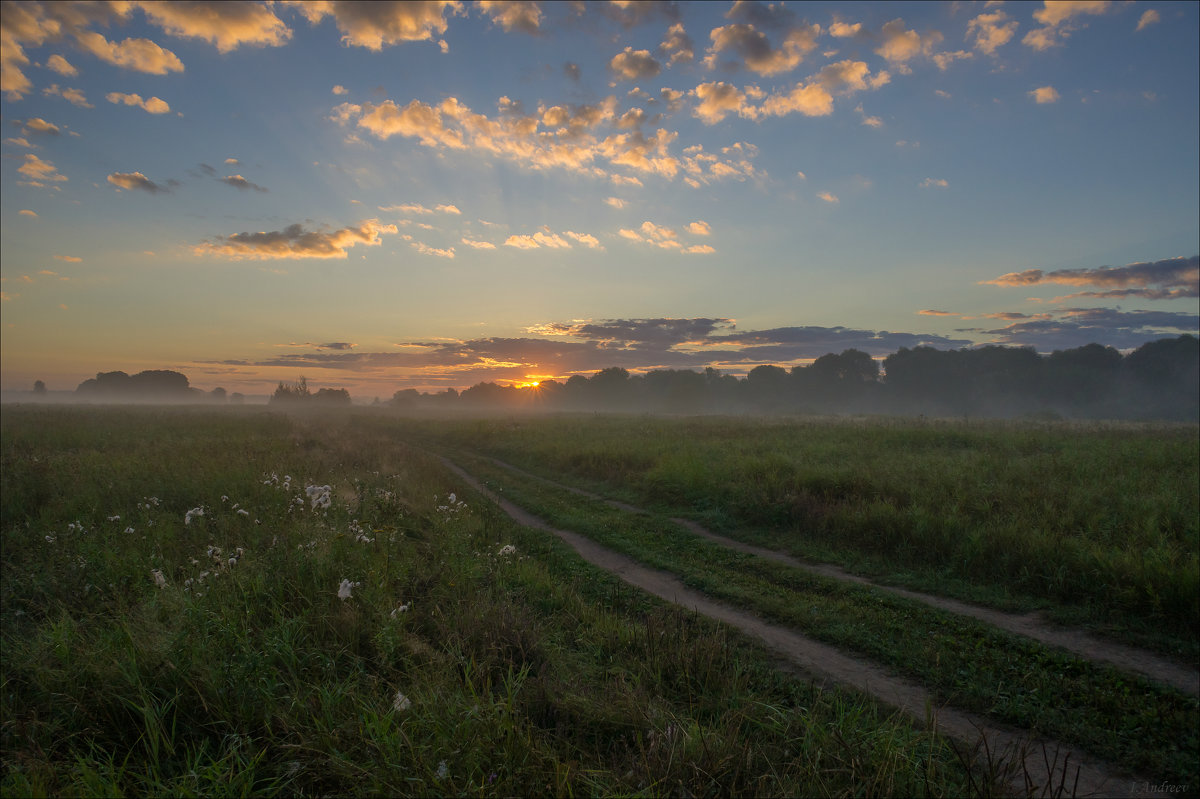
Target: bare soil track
(1031, 625)
(1035, 767)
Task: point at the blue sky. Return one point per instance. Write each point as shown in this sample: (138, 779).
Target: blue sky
(433, 194)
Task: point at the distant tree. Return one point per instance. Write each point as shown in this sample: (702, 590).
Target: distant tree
(332, 396)
(237, 398)
(406, 397)
(39, 388)
(152, 384)
(291, 392)
(217, 394)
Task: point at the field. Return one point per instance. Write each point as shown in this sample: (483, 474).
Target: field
(235, 601)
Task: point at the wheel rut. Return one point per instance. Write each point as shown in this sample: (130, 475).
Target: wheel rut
(1031, 625)
(1037, 766)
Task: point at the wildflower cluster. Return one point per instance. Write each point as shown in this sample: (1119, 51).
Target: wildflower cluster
(452, 507)
(319, 496)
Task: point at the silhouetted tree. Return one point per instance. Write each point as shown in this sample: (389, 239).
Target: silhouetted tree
(332, 396)
(291, 392)
(39, 388)
(217, 394)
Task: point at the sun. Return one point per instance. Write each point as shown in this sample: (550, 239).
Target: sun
(526, 383)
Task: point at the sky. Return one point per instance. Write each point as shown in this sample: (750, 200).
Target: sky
(427, 195)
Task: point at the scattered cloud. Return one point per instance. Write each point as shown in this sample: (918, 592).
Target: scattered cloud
(60, 65)
(632, 64)
(1059, 19)
(542, 238)
(425, 249)
(27, 212)
(1045, 94)
(295, 242)
(678, 46)
(754, 51)
(20, 141)
(152, 106)
(586, 239)
(991, 31)
(930, 183)
(900, 45)
(1149, 17)
(374, 25)
(828, 197)
(73, 96)
(231, 162)
(225, 25)
(36, 126)
(135, 180)
(929, 312)
(140, 55)
(478, 245)
(38, 170)
(844, 30)
(1077, 327)
(615, 202)
(1170, 278)
(340, 89)
(71, 259)
(239, 182)
(699, 228)
(513, 15)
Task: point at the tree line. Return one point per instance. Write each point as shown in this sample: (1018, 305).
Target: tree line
(1159, 380)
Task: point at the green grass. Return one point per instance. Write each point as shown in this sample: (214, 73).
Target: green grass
(1097, 524)
(525, 673)
(1120, 718)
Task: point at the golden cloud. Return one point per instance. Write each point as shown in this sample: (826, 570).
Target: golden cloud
(295, 242)
(373, 25)
(226, 25)
(140, 55)
(152, 106)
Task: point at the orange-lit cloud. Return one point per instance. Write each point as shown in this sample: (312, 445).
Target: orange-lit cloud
(828, 197)
(225, 25)
(513, 15)
(901, 45)
(929, 312)
(930, 183)
(991, 31)
(72, 259)
(295, 242)
(27, 212)
(678, 46)
(61, 65)
(1166, 279)
(844, 30)
(140, 55)
(152, 106)
(1045, 94)
(1149, 17)
(73, 96)
(134, 180)
(1058, 19)
(239, 182)
(478, 245)
(36, 169)
(36, 126)
(374, 25)
(633, 64)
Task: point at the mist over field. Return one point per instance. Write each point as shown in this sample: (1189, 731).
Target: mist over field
(1157, 381)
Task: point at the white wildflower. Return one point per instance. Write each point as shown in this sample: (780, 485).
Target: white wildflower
(442, 771)
(114, 518)
(130, 530)
(50, 539)
(243, 512)
(193, 513)
(400, 609)
(345, 588)
(159, 580)
(320, 496)
(507, 549)
(233, 561)
(224, 498)
(401, 703)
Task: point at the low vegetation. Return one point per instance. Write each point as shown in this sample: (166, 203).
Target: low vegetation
(201, 603)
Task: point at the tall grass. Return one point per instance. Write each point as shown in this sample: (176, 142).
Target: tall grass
(1096, 521)
(396, 642)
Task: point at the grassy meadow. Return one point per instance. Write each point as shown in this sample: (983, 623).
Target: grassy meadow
(235, 601)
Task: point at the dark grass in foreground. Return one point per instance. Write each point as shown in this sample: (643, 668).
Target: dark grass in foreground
(1097, 524)
(146, 654)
